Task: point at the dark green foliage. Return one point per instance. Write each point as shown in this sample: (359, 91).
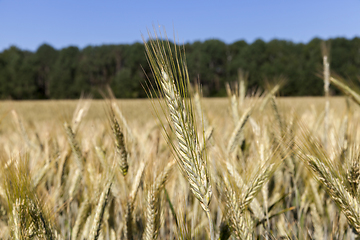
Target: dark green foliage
(64, 74)
(57, 74)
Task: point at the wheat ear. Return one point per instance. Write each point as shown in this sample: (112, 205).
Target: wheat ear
(170, 72)
(235, 210)
(74, 146)
(318, 228)
(347, 203)
(346, 89)
(153, 201)
(99, 213)
(268, 96)
(80, 112)
(131, 201)
(123, 120)
(327, 174)
(254, 205)
(83, 214)
(120, 146)
(236, 134)
(198, 106)
(24, 135)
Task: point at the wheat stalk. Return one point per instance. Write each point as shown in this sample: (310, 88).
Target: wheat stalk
(243, 76)
(326, 65)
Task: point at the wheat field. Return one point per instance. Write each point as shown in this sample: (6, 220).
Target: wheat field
(291, 204)
(250, 166)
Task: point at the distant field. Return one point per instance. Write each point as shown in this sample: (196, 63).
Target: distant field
(141, 110)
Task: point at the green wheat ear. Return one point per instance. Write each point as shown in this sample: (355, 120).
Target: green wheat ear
(170, 71)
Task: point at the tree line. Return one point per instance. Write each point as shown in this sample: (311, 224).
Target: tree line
(49, 73)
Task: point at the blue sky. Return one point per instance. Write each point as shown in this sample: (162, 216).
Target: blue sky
(60, 23)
